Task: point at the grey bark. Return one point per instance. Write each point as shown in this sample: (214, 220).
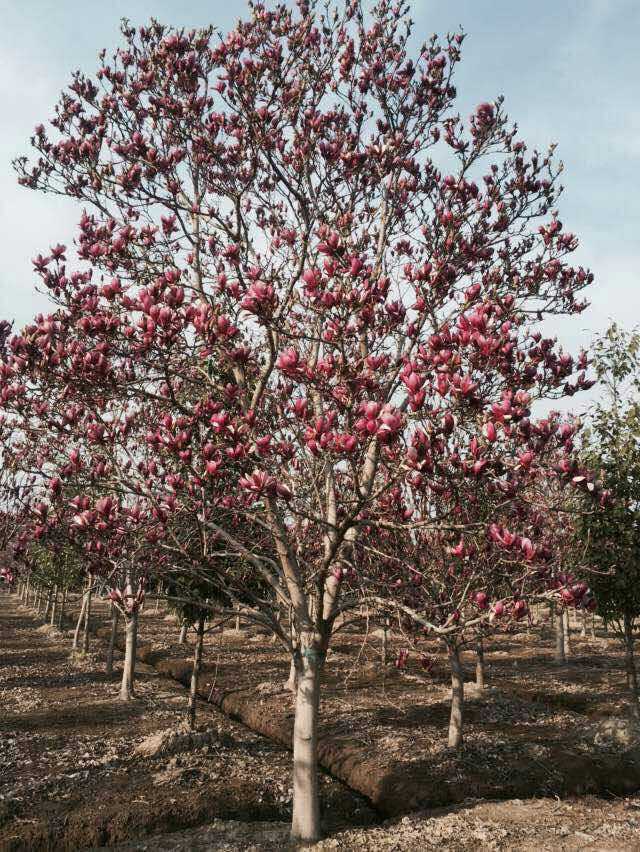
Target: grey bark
(480, 670)
(182, 639)
(54, 606)
(567, 634)
(305, 824)
(61, 612)
(630, 662)
(87, 619)
(47, 609)
(129, 666)
(76, 634)
(292, 682)
(112, 640)
(560, 655)
(457, 698)
(385, 641)
(195, 672)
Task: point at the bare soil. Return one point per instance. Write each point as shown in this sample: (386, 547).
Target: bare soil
(69, 779)
(531, 732)
(540, 825)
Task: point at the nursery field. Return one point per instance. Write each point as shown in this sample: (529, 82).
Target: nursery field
(547, 763)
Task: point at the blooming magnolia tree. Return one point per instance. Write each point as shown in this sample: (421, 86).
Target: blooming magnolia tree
(305, 310)
(500, 550)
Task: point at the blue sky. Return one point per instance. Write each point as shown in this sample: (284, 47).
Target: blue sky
(569, 70)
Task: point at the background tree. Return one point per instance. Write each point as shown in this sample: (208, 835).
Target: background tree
(612, 447)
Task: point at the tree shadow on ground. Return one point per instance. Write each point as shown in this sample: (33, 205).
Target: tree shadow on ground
(83, 716)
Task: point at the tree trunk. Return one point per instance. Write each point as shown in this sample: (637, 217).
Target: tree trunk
(457, 698)
(47, 608)
(129, 667)
(479, 665)
(567, 634)
(292, 682)
(583, 630)
(54, 606)
(112, 640)
(552, 615)
(560, 655)
(385, 642)
(305, 825)
(61, 612)
(195, 672)
(238, 621)
(76, 634)
(182, 639)
(593, 626)
(630, 660)
(87, 620)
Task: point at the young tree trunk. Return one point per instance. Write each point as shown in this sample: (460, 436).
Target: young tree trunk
(479, 665)
(195, 672)
(38, 600)
(238, 621)
(54, 606)
(305, 824)
(630, 660)
(567, 634)
(76, 634)
(26, 593)
(61, 612)
(47, 608)
(182, 639)
(112, 640)
(274, 638)
(560, 655)
(292, 682)
(385, 641)
(593, 626)
(129, 667)
(87, 620)
(457, 698)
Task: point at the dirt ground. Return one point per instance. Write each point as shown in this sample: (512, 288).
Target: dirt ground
(534, 731)
(69, 778)
(541, 825)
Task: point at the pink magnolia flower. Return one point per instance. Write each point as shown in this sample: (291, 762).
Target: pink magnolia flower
(288, 362)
